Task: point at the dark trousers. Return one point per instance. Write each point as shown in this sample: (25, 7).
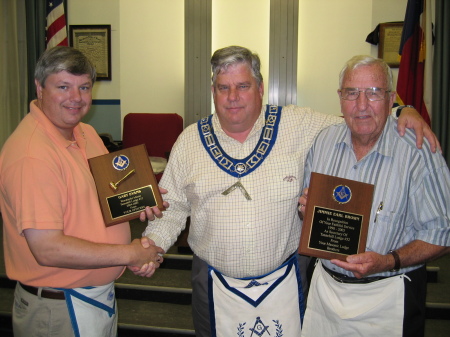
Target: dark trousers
(415, 298)
(200, 303)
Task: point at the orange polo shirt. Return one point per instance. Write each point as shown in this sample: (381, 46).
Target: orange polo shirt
(45, 183)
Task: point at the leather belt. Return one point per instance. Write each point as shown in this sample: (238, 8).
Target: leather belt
(51, 294)
(348, 279)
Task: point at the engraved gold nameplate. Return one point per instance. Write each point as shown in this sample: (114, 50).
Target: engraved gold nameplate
(336, 218)
(125, 184)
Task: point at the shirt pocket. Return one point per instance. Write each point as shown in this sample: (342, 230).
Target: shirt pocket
(384, 233)
(279, 178)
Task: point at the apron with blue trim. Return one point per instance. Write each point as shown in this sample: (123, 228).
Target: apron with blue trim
(92, 311)
(268, 305)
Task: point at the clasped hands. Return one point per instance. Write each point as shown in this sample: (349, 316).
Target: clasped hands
(149, 257)
(152, 254)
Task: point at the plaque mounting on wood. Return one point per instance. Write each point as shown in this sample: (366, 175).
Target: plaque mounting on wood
(336, 218)
(125, 184)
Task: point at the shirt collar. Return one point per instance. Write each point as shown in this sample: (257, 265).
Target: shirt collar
(383, 145)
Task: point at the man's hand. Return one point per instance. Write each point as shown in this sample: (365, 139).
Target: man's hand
(151, 212)
(302, 201)
(148, 269)
(413, 254)
(367, 263)
(411, 119)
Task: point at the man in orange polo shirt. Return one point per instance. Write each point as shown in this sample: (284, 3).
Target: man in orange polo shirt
(56, 244)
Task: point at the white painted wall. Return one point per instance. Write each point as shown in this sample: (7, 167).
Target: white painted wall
(148, 45)
(152, 54)
(243, 23)
(101, 12)
(330, 33)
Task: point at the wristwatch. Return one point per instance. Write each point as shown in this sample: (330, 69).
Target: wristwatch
(400, 108)
(396, 259)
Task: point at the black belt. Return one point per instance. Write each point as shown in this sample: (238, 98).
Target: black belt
(348, 279)
(51, 294)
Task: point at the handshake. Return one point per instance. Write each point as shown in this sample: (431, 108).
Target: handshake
(148, 257)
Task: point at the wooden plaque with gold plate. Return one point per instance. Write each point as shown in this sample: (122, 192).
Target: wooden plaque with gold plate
(125, 184)
(336, 220)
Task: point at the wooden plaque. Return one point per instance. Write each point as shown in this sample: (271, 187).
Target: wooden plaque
(125, 184)
(336, 218)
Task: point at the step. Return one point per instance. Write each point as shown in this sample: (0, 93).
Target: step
(432, 274)
(166, 285)
(438, 294)
(437, 328)
(435, 310)
(148, 316)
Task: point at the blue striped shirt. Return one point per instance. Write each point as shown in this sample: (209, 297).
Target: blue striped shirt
(413, 184)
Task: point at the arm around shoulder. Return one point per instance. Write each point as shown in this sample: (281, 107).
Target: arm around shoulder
(411, 119)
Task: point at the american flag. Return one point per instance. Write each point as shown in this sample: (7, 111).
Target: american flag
(56, 24)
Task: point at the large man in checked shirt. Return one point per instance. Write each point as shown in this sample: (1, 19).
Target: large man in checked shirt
(238, 175)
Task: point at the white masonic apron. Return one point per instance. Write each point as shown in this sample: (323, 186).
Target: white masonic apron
(347, 309)
(92, 311)
(269, 305)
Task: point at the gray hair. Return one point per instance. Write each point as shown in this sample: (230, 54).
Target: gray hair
(366, 60)
(62, 58)
(223, 58)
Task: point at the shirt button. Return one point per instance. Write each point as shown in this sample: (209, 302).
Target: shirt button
(248, 225)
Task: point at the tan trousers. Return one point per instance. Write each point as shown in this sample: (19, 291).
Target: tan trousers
(36, 316)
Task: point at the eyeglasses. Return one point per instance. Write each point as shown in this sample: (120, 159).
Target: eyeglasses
(372, 94)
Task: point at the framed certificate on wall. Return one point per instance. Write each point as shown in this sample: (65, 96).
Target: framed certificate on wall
(95, 42)
(390, 37)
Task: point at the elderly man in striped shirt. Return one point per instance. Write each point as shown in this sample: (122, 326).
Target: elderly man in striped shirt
(380, 292)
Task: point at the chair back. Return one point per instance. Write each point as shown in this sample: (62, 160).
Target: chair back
(157, 131)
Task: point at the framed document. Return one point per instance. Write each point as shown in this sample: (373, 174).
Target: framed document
(95, 42)
(125, 184)
(390, 37)
(336, 218)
